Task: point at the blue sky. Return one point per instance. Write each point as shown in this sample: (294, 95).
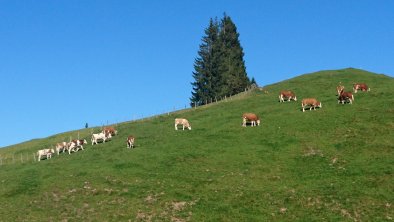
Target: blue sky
(67, 62)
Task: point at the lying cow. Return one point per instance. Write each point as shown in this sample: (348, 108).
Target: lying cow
(130, 141)
(345, 96)
(110, 129)
(311, 102)
(340, 88)
(184, 123)
(288, 95)
(61, 147)
(250, 117)
(76, 145)
(360, 86)
(100, 136)
(47, 153)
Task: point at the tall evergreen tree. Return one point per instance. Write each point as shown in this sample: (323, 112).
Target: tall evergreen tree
(205, 66)
(232, 65)
(219, 69)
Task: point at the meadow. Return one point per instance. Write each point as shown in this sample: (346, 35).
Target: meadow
(331, 164)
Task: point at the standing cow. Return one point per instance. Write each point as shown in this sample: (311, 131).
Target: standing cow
(110, 129)
(250, 117)
(75, 145)
(287, 95)
(360, 86)
(100, 136)
(345, 96)
(47, 153)
(311, 102)
(130, 141)
(61, 147)
(184, 123)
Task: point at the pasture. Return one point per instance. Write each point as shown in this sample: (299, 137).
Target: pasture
(335, 163)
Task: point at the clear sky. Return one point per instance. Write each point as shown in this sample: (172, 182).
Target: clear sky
(67, 62)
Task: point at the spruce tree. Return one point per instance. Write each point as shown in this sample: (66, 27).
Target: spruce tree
(205, 67)
(219, 69)
(232, 65)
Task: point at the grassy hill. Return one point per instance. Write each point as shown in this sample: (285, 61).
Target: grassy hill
(332, 164)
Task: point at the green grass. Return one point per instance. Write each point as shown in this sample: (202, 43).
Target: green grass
(332, 164)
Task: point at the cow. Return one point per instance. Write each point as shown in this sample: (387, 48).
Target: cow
(288, 95)
(311, 102)
(184, 123)
(45, 152)
(75, 145)
(130, 141)
(340, 87)
(61, 147)
(360, 86)
(252, 118)
(110, 129)
(100, 136)
(345, 96)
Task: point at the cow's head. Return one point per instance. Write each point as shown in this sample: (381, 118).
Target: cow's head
(85, 142)
(258, 122)
(319, 105)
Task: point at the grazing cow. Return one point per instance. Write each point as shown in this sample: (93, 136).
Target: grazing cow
(311, 102)
(130, 141)
(252, 118)
(288, 95)
(184, 123)
(61, 147)
(110, 129)
(47, 153)
(340, 88)
(100, 136)
(360, 86)
(345, 96)
(75, 145)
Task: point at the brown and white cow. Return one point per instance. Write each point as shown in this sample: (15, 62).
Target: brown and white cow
(76, 145)
(288, 95)
(345, 96)
(250, 117)
(100, 136)
(340, 87)
(47, 153)
(110, 129)
(311, 102)
(61, 147)
(130, 141)
(184, 122)
(360, 86)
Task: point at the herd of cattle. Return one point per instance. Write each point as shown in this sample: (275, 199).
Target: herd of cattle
(76, 145)
(311, 103)
(253, 119)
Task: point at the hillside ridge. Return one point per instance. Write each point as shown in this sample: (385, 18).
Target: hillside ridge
(335, 163)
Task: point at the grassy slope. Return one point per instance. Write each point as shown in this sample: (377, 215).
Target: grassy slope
(283, 170)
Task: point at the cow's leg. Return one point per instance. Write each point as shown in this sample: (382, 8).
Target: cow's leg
(176, 127)
(183, 126)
